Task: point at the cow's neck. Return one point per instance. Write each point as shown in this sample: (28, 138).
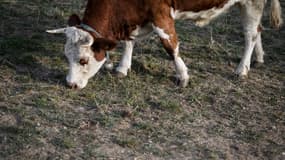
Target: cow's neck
(109, 20)
(97, 16)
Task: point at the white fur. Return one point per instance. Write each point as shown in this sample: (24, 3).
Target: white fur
(181, 69)
(276, 14)
(251, 16)
(126, 61)
(259, 49)
(138, 34)
(80, 75)
(78, 45)
(173, 13)
(161, 33)
(176, 51)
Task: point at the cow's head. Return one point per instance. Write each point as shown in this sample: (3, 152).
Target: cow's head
(85, 53)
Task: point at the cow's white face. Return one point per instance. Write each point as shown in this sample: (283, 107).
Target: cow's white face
(82, 51)
(82, 62)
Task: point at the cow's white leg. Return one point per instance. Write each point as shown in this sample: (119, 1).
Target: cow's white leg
(164, 27)
(251, 17)
(244, 65)
(181, 68)
(126, 61)
(259, 49)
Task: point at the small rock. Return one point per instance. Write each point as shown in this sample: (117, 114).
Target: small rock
(8, 120)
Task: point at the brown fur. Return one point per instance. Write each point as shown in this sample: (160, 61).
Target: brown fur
(259, 28)
(198, 5)
(101, 45)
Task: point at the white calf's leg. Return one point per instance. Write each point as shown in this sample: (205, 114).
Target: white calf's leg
(126, 61)
(181, 69)
(251, 20)
(259, 49)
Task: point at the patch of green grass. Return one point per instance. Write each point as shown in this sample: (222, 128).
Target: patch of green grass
(15, 138)
(144, 126)
(172, 106)
(212, 154)
(104, 120)
(43, 102)
(64, 143)
(20, 44)
(126, 141)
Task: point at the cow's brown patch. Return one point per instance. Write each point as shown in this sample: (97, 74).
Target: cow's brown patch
(198, 5)
(117, 19)
(100, 46)
(259, 28)
(162, 19)
(99, 56)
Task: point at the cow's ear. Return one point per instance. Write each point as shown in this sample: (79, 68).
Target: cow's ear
(103, 44)
(74, 20)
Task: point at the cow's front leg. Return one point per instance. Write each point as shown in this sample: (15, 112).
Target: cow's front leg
(165, 29)
(126, 61)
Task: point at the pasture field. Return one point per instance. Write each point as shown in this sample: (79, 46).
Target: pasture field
(145, 115)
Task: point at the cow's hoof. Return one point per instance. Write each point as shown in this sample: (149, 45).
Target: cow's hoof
(242, 72)
(240, 76)
(120, 75)
(257, 64)
(183, 83)
(243, 77)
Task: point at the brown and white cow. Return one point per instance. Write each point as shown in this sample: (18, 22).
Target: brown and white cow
(106, 22)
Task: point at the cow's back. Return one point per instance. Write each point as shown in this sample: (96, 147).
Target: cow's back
(198, 5)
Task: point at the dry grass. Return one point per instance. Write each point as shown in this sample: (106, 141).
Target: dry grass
(145, 115)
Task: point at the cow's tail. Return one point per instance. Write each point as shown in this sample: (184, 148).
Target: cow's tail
(276, 14)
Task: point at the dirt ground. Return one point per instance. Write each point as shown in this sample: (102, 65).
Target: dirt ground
(145, 115)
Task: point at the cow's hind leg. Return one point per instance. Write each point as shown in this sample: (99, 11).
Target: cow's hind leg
(259, 49)
(251, 16)
(126, 61)
(164, 27)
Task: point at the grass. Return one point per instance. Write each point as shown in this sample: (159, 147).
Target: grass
(145, 115)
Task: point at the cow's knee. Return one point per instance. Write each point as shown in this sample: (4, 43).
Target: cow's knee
(258, 47)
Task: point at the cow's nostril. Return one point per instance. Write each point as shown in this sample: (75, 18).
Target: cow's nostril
(72, 85)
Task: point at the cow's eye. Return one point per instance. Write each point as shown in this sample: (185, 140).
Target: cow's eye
(83, 61)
